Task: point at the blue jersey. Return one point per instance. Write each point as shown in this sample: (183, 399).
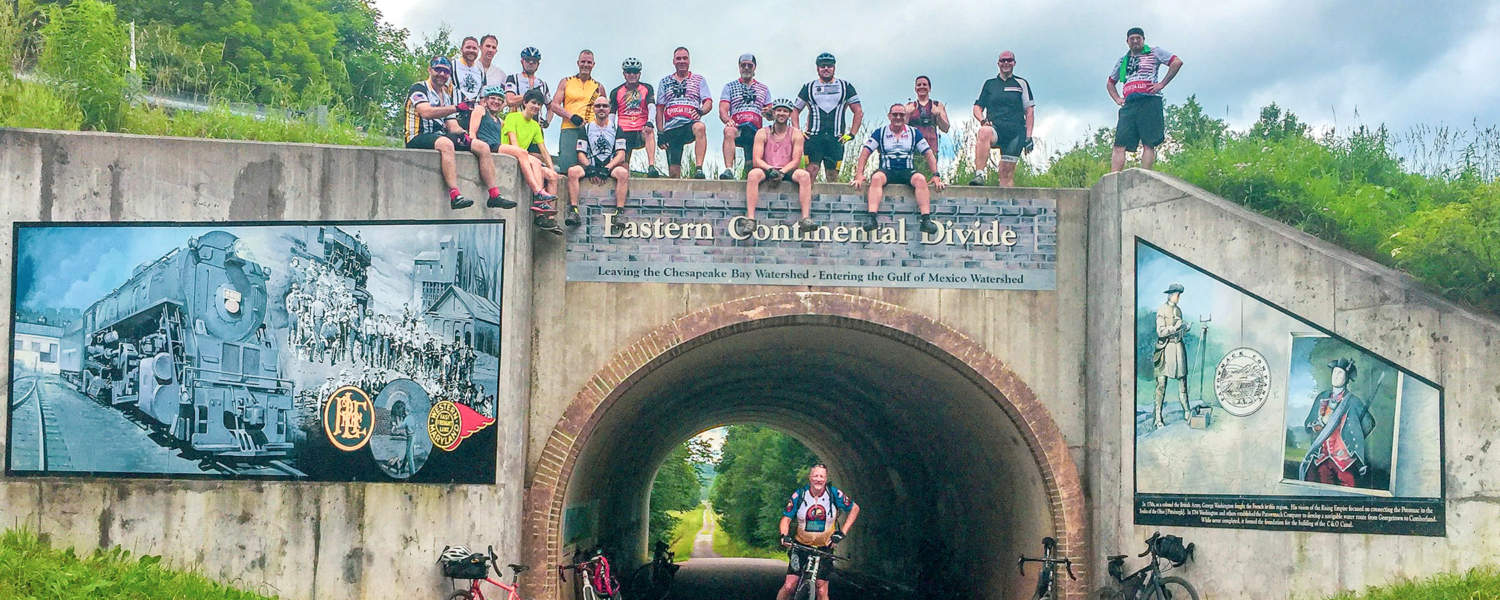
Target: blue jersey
(897, 150)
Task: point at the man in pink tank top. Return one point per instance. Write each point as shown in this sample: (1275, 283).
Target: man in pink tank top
(776, 155)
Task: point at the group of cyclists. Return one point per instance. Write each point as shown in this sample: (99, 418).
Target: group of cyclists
(468, 103)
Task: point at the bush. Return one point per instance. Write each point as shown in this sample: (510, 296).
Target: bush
(31, 569)
(1474, 584)
(84, 52)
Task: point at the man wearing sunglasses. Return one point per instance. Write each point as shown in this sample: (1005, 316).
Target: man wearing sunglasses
(600, 155)
(827, 99)
(1141, 120)
(632, 102)
(1006, 111)
(742, 107)
(897, 145)
(517, 84)
(431, 123)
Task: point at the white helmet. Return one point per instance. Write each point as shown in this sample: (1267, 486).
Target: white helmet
(455, 553)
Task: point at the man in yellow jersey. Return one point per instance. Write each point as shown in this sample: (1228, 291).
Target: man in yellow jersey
(575, 93)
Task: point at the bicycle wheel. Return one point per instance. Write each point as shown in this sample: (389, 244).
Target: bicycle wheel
(807, 589)
(589, 593)
(1175, 588)
(642, 585)
(1108, 593)
(461, 595)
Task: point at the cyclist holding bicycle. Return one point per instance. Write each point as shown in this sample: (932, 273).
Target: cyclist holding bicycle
(816, 508)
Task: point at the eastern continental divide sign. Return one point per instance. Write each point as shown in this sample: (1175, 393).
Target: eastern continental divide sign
(689, 235)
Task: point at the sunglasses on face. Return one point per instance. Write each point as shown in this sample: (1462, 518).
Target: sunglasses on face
(1007, 60)
(603, 106)
(898, 115)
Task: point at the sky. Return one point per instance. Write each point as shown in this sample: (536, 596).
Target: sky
(1335, 63)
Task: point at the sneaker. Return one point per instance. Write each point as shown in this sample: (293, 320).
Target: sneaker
(807, 225)
(573, 219)
(702, 174)
(726, 174)
(977, 181)
(652, 172)
(546, 223)
(744, 227)
(544, 196)
(871, 222)
(927, 225)
(500, 202)
(459, 201)
(542, 207)
(616, 226)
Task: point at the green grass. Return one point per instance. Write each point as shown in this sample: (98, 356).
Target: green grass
(729, 547)
(31, 569)
(1475, 584)
(688, 523)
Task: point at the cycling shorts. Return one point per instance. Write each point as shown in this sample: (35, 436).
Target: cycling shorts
(746, 137)
(1010, 138)
(824, 148)
(675, 139)
(634, 140)
(898, 177)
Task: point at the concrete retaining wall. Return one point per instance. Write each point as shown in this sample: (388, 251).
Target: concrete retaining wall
(1378, 308)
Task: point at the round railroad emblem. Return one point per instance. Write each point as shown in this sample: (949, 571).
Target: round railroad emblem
(443, 424)
(348, 418)
(1242, 381)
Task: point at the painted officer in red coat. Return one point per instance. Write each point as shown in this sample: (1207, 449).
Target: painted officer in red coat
(1339, 421)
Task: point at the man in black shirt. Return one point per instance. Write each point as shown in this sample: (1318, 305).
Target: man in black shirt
(1006, 111)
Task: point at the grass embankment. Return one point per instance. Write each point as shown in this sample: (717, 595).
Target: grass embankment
(688, 523)
(729, 547)
(1475, 584)
(31, 569)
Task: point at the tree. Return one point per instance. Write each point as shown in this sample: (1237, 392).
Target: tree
(758, 469)
(1190, 128)
(1275, 124)
(84, 52)
(675, 489)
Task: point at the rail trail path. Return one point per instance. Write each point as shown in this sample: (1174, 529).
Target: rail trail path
(703, 543)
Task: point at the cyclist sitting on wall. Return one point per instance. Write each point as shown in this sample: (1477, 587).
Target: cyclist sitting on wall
(815, 508)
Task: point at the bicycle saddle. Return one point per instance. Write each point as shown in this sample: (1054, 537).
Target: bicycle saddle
(517, 569)
(1115, 557)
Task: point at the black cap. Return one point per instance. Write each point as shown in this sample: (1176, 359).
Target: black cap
(1346, 364)
(1135, 31)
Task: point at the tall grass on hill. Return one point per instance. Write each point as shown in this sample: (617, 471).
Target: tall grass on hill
(31, 569)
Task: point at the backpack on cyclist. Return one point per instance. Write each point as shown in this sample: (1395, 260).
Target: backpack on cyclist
(459, 563)
(1171, 548)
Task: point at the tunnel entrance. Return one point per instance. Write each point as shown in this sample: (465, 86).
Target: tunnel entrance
(956, 466)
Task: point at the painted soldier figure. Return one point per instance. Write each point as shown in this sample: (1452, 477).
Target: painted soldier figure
(1339, 422)
(1169, 360)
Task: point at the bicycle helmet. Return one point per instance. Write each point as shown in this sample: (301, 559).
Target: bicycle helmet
(631, 64)
(531, 52)
(783, 103)
(825, 58)
(455, 553)
(493, 90)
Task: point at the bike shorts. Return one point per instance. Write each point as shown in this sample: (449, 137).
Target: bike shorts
(675, 139)
(898, 177)
(1010, 138)
(796, 556)
(634, 140)
(745, 139)
(826, 149)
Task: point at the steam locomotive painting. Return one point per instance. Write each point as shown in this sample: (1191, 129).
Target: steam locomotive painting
(266, 351)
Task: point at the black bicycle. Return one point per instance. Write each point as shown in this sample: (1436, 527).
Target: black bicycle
(807, 584)
(1148, 583)
(653, 580)
(1046, 581)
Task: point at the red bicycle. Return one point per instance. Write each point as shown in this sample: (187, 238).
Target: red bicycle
(599, 582)
(459, 563)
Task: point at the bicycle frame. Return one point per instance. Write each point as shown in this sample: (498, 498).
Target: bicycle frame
(510, 589)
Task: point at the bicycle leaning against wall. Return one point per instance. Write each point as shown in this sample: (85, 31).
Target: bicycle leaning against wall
(459, 563)
(1046, 580)
(1148, 583)
(653, 580)
(597, 579)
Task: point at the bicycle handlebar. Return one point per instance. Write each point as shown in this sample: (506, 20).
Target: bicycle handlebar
(1047, 562)
(820, 551)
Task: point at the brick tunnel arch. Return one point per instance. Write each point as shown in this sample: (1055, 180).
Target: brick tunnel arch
(1057, 476)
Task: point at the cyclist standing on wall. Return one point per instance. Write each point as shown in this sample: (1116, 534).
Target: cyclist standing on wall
(1006, 110)
(815, 509)
(517, 84)
(742, 107)
(828, 98)
(926, 114)
(632, 101)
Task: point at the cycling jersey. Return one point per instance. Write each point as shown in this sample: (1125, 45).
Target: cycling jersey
(468, 80)
(632, 106)
(577, 95)
(832, 100)
(681, 99)
(1140, 70)
(600, 143)
(422, 92)
(746, 101)
(816, 517)
(1005, 99)
(897, 150)
(519, 84)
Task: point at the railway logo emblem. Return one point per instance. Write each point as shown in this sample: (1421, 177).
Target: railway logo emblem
(349, 418)
(449, 422)
(232, 300)
(1242, 381)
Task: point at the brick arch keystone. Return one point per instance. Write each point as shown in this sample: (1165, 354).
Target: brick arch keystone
(547, 487)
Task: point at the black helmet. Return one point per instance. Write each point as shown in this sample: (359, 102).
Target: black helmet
(531, 52)
(825, 58)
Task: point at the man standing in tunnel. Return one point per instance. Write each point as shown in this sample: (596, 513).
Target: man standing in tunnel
(815, 508)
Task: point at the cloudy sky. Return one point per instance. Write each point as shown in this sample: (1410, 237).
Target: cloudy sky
(1333, 62)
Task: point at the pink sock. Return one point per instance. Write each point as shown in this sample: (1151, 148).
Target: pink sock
(453, 193)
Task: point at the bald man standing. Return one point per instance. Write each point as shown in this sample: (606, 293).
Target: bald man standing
(1006, 111)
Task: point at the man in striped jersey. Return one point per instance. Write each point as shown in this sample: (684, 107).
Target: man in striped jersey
(742, 107)
(682, 98)
(827, 99)
(431, 124)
